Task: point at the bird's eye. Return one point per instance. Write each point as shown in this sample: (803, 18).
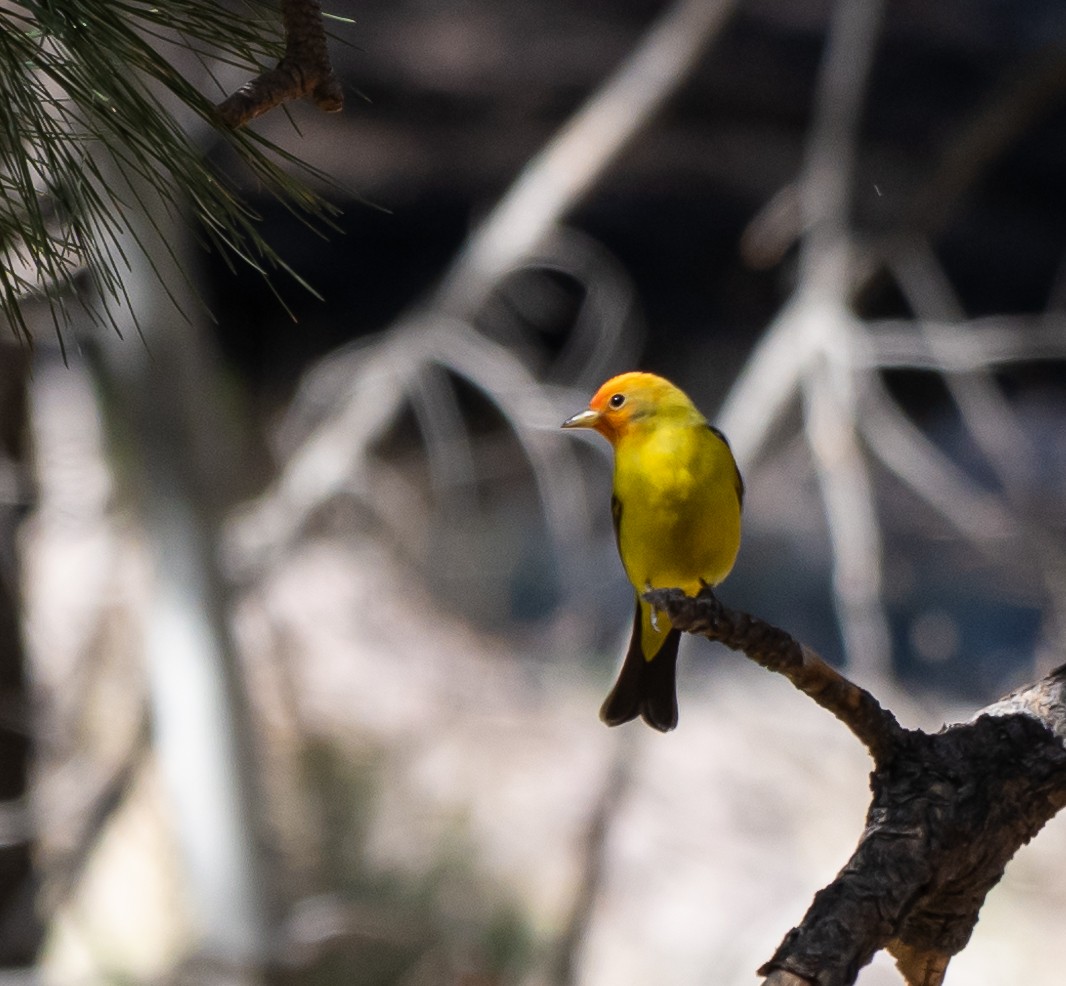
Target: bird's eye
(617, 400)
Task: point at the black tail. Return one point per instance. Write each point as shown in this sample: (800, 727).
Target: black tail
(645, 688)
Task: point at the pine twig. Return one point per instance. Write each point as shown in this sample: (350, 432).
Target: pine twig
(304, 70)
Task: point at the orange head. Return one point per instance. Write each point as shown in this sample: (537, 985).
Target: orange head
(628, 401)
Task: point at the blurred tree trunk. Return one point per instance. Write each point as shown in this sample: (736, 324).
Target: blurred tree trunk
(20, 930)
(115, 223)
(170, 437)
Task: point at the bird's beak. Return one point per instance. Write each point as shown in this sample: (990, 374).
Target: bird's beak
(583, 419)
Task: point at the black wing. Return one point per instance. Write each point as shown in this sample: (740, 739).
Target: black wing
(616, 518)
(736, 468)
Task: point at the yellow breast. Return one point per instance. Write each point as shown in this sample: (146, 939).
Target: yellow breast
(680, 508)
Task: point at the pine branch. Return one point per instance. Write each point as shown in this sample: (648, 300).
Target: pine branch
(95, 87)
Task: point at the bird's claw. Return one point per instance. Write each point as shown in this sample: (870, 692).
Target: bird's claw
(706, 588)
(654, 613)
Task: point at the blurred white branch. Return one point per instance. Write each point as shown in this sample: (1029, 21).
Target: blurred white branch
(334, 459)
(982, 406)
(381, 378)
(958, 347)
(994, 425)
(814, 346)
(792, 349)
(162, 414)
(901, 447)
(817, 349)
(557, 178)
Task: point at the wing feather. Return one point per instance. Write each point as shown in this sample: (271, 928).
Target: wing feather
(616, 519)
(739, 482)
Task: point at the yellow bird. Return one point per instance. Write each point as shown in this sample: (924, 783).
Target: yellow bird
(676, 504)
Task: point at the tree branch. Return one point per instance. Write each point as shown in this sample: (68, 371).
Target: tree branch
(874, 726)
(949, 810)
(305, 70)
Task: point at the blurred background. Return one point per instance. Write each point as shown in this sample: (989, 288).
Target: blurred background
(308, 606)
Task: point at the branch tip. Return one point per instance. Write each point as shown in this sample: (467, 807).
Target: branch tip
(918, 966)
(782, 977)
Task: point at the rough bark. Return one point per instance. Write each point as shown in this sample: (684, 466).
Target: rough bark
(177, 459)
(948, 812)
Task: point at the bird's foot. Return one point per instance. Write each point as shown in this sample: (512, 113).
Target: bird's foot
(654, 613)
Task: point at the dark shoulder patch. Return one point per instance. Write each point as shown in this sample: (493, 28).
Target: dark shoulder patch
(616, 517)
(736, 468)
(720, 435)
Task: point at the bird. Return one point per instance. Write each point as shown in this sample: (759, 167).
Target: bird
(676, 503)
